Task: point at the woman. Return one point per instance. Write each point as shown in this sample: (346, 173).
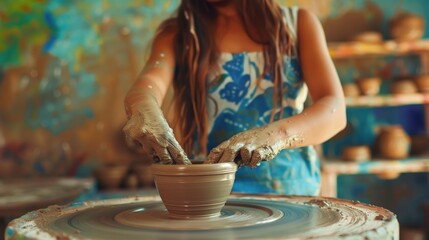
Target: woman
(240, 71)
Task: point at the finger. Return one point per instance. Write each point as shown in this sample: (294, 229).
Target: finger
(155, 158)
(216, 153)
(174, 149)
(228, 156)
(178, 155)
(163, 154)
(130, 130)
(130, 141)
(231, 153)
(256, 158)
(137, 146)
(246, 154)
(262, 153)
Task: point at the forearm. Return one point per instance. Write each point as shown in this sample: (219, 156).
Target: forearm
(314, 125)
(144, 91)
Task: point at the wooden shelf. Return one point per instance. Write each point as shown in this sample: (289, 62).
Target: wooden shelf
(376, 166)
(388, 100)
(348, 50)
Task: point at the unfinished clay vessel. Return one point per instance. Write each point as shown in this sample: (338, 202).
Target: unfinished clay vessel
(422, 82)
(407, 27)
(194, 191)
(369, 86)
(393, 142)
(111, 176)
(368, 37)
(357, 153)
(144, 174)
(351, 90)
(403, 86)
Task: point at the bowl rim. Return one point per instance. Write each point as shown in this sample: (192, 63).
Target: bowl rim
(193, 169)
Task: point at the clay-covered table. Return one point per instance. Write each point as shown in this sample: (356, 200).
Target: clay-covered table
(243, 217)
(19, 196)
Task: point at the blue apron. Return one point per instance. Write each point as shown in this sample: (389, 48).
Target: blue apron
(244, 104)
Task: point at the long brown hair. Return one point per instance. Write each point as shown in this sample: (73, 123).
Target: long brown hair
(197, 54)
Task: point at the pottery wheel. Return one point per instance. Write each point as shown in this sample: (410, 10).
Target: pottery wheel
(19, 196)
(243, 217)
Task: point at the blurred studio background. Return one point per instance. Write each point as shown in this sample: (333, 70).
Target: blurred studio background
(65, 67)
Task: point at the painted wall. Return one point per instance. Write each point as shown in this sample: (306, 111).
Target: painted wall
(65, 67)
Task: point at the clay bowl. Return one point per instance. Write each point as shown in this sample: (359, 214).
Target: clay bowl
(422, 83)
(369, 86)
(419, 144)
(111, 176)
(194, 191)
(393, 142)
(357, 153)
(144, 174)
(368, 37)
(404, 86)
(406, 27)
(351, 90)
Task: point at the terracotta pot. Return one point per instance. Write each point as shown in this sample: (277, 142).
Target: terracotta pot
(357, 153)
(407, 27)
(368, 37)
(405, 86)
(369, 86)
(422, 83)
(419, 144)
(144, 175)
(351, 90)
(111, 176)
(393, 142)
(194, 191)
(388, 175)
(132, 181)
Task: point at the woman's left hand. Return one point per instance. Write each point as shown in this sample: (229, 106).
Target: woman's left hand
(250, 147)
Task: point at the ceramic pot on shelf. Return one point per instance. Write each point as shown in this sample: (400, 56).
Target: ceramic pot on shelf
(357, 153)
(403, 86)
(111, 176)
(144, 175)
(393, 142)
(422, 83)
(369, 86)
(372, 37)
(406, 27)
(351, 90)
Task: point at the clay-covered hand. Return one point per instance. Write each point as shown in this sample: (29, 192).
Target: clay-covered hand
(148, 129)
(250, 147)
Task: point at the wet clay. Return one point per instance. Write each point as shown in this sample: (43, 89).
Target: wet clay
(20, 196)
(243, 217)
(148, 131)
(251, 147)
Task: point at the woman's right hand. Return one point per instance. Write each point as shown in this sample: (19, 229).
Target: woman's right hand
(148, 130)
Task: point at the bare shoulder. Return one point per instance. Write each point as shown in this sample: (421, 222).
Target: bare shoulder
(310, 30)
(166, 33)
(305, 13)
(307, 19)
